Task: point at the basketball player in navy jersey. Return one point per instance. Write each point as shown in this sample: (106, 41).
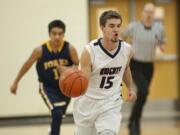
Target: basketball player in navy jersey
(48, 57)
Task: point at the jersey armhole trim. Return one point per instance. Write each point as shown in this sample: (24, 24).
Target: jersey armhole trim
(93, 57)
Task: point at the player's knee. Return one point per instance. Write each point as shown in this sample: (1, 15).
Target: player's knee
(57, 113)
(107, 132)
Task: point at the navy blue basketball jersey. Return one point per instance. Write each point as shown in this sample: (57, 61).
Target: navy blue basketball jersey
(47, 65)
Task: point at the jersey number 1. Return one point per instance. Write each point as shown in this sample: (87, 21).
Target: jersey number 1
(106, 82)
(56, 75)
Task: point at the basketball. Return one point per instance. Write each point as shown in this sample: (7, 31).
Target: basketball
(73, 82)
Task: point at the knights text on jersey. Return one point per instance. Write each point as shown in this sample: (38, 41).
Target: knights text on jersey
(107, 69)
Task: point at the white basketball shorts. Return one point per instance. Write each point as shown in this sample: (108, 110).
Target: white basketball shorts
(92, 116)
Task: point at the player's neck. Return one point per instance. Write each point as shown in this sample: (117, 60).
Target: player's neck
(55, 46)
(108, 44)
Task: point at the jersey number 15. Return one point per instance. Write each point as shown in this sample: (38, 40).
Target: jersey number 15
(106, 82)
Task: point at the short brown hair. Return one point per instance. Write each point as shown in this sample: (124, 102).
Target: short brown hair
(110, 14)
(57, 23)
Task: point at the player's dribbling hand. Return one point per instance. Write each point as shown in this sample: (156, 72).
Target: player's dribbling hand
(61, 69)
(131, 95)
(13, 88)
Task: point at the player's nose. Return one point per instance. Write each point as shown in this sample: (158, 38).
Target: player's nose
(116, 29)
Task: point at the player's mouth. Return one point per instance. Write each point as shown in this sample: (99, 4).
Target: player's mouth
(116, 36)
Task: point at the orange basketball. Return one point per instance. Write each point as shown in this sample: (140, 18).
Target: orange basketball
(73, 82)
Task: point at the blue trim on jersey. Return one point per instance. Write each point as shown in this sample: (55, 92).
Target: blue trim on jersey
(105, 51)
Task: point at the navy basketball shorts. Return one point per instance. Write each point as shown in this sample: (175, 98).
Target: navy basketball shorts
(53, 97)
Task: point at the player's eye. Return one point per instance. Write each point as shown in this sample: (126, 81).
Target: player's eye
(118, 25)
(111, 25)
(60, 33)
(57, 33)
(53, 33)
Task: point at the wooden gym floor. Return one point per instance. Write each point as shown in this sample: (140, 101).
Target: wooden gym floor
(154, 127)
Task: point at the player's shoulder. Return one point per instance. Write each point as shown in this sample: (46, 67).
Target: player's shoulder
(41, 48)
(43, 45)
(94, 42)
(37, 52)
(91, 47)
(68, 44)
(125, 44)
(127, 48)
(38, 49)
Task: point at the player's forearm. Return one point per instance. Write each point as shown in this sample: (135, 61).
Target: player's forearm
(86, 72)
(127, 78)
(85, 63)
(22, 71)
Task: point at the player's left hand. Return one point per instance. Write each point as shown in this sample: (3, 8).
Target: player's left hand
(131, 95)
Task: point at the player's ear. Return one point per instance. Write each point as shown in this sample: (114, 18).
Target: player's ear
(102, 28)
(49, 33)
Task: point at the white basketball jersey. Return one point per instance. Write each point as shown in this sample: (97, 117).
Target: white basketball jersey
(107, 69)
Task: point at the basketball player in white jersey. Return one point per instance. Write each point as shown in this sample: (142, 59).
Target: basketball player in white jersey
(105, 62)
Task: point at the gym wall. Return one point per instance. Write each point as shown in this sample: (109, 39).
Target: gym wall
(23, 27)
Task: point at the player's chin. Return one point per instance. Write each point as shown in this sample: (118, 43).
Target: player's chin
(57, 42)
(114, 40)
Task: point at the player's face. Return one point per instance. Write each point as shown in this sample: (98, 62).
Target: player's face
(111, 30)
(56, 35)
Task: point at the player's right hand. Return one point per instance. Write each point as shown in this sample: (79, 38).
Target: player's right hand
(13, 88)
(131, 95)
